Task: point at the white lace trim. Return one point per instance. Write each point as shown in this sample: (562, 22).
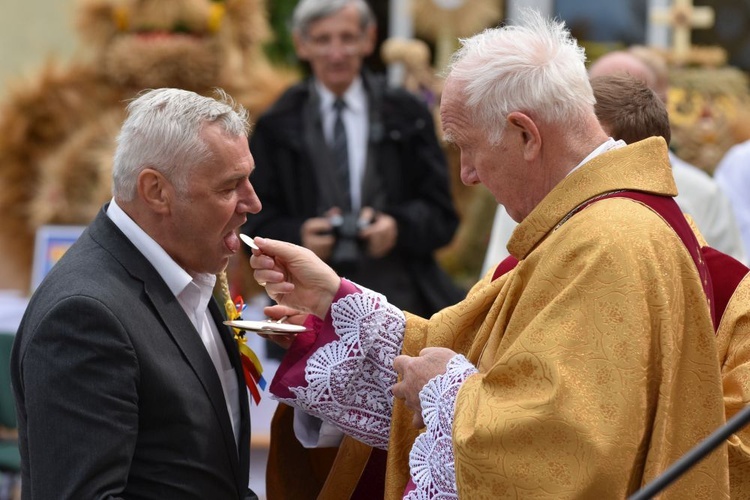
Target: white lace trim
(431, 460)
(349, 380)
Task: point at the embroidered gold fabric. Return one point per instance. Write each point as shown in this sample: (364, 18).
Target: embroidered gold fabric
(597, 355)
(734, 355)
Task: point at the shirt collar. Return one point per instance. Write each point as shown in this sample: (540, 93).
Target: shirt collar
(176, 278)
(610, 143)
(354, 97)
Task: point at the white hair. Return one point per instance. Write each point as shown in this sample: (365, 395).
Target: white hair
(534, 67)
(163, 132)
(309, 11)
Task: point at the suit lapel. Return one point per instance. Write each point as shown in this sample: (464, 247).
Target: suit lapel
(227, 338)
(373, 191)
(188, 340)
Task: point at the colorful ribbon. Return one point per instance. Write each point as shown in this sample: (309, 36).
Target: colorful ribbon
(251, 366)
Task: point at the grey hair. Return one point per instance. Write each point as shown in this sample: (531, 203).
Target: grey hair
(309, 11)
(535, 67)
(163, 132)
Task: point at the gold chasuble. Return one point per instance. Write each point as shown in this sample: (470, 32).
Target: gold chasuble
(734, 354)
(597, 354)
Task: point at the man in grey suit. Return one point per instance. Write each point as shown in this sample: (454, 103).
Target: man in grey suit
(126, 382)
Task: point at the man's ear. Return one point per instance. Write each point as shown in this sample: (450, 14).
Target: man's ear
(300, 46)
(371, 38)
(155, 190)
(522, 124)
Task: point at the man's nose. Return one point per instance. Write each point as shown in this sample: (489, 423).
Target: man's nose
(249, 201)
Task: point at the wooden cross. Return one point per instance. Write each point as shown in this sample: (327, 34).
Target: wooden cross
(683, 17)
(446, 40)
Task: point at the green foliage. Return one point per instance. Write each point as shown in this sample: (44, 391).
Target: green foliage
(281, 49)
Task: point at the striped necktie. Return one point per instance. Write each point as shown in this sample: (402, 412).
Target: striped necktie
(340, 148)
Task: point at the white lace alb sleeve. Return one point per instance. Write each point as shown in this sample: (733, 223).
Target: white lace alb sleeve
(431, 460)
(349, 379)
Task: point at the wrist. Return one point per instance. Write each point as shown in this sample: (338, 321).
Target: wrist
(345, 287)
(328, 295)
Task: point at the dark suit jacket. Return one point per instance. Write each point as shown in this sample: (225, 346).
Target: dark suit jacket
(116, 394)
(406, 177)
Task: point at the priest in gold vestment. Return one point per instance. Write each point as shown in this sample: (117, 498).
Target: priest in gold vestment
(583, 366)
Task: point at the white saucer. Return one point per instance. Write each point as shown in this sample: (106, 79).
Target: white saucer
(266, 327)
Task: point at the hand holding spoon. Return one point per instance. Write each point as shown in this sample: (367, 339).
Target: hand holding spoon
(249, 241)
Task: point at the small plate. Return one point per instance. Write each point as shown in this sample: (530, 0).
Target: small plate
(267, 327)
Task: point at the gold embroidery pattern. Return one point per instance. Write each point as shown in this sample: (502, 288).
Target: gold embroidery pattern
(734, 354)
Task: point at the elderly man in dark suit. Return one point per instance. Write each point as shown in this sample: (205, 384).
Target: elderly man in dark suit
(127, 384)
(352, 168)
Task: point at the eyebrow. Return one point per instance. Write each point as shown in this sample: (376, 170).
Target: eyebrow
(236, 178)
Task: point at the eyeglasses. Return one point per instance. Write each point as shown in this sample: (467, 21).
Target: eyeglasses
(348, 44)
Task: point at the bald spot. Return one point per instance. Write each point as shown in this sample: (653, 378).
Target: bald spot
(622, 63)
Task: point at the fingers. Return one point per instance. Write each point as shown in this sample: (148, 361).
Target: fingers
(401, 390)
(333, 211)
(381, 235)
(320, 243)
(415, 372)
(272, 248)
(438, 356)
(405, 388)
(316, 225)
(400, 362)
(269, 277)
(367, 215)
(417, 421)
(278, 311)
(294, 276)
(260, 261)
(275, 251)
(278, 291)
(266, 268)
(283, 341)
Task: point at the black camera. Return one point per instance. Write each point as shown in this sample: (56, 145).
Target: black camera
(348, 249)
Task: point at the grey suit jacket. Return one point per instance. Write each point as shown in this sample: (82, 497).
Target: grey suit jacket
(116, 394)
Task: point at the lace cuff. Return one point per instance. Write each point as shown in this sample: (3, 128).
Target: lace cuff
(431, 460)
(348, 380)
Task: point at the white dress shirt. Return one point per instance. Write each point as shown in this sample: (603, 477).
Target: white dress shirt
(356, 122)
(707, 203)
(733, 176)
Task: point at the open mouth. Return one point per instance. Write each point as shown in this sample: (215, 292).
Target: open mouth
(232, 241)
